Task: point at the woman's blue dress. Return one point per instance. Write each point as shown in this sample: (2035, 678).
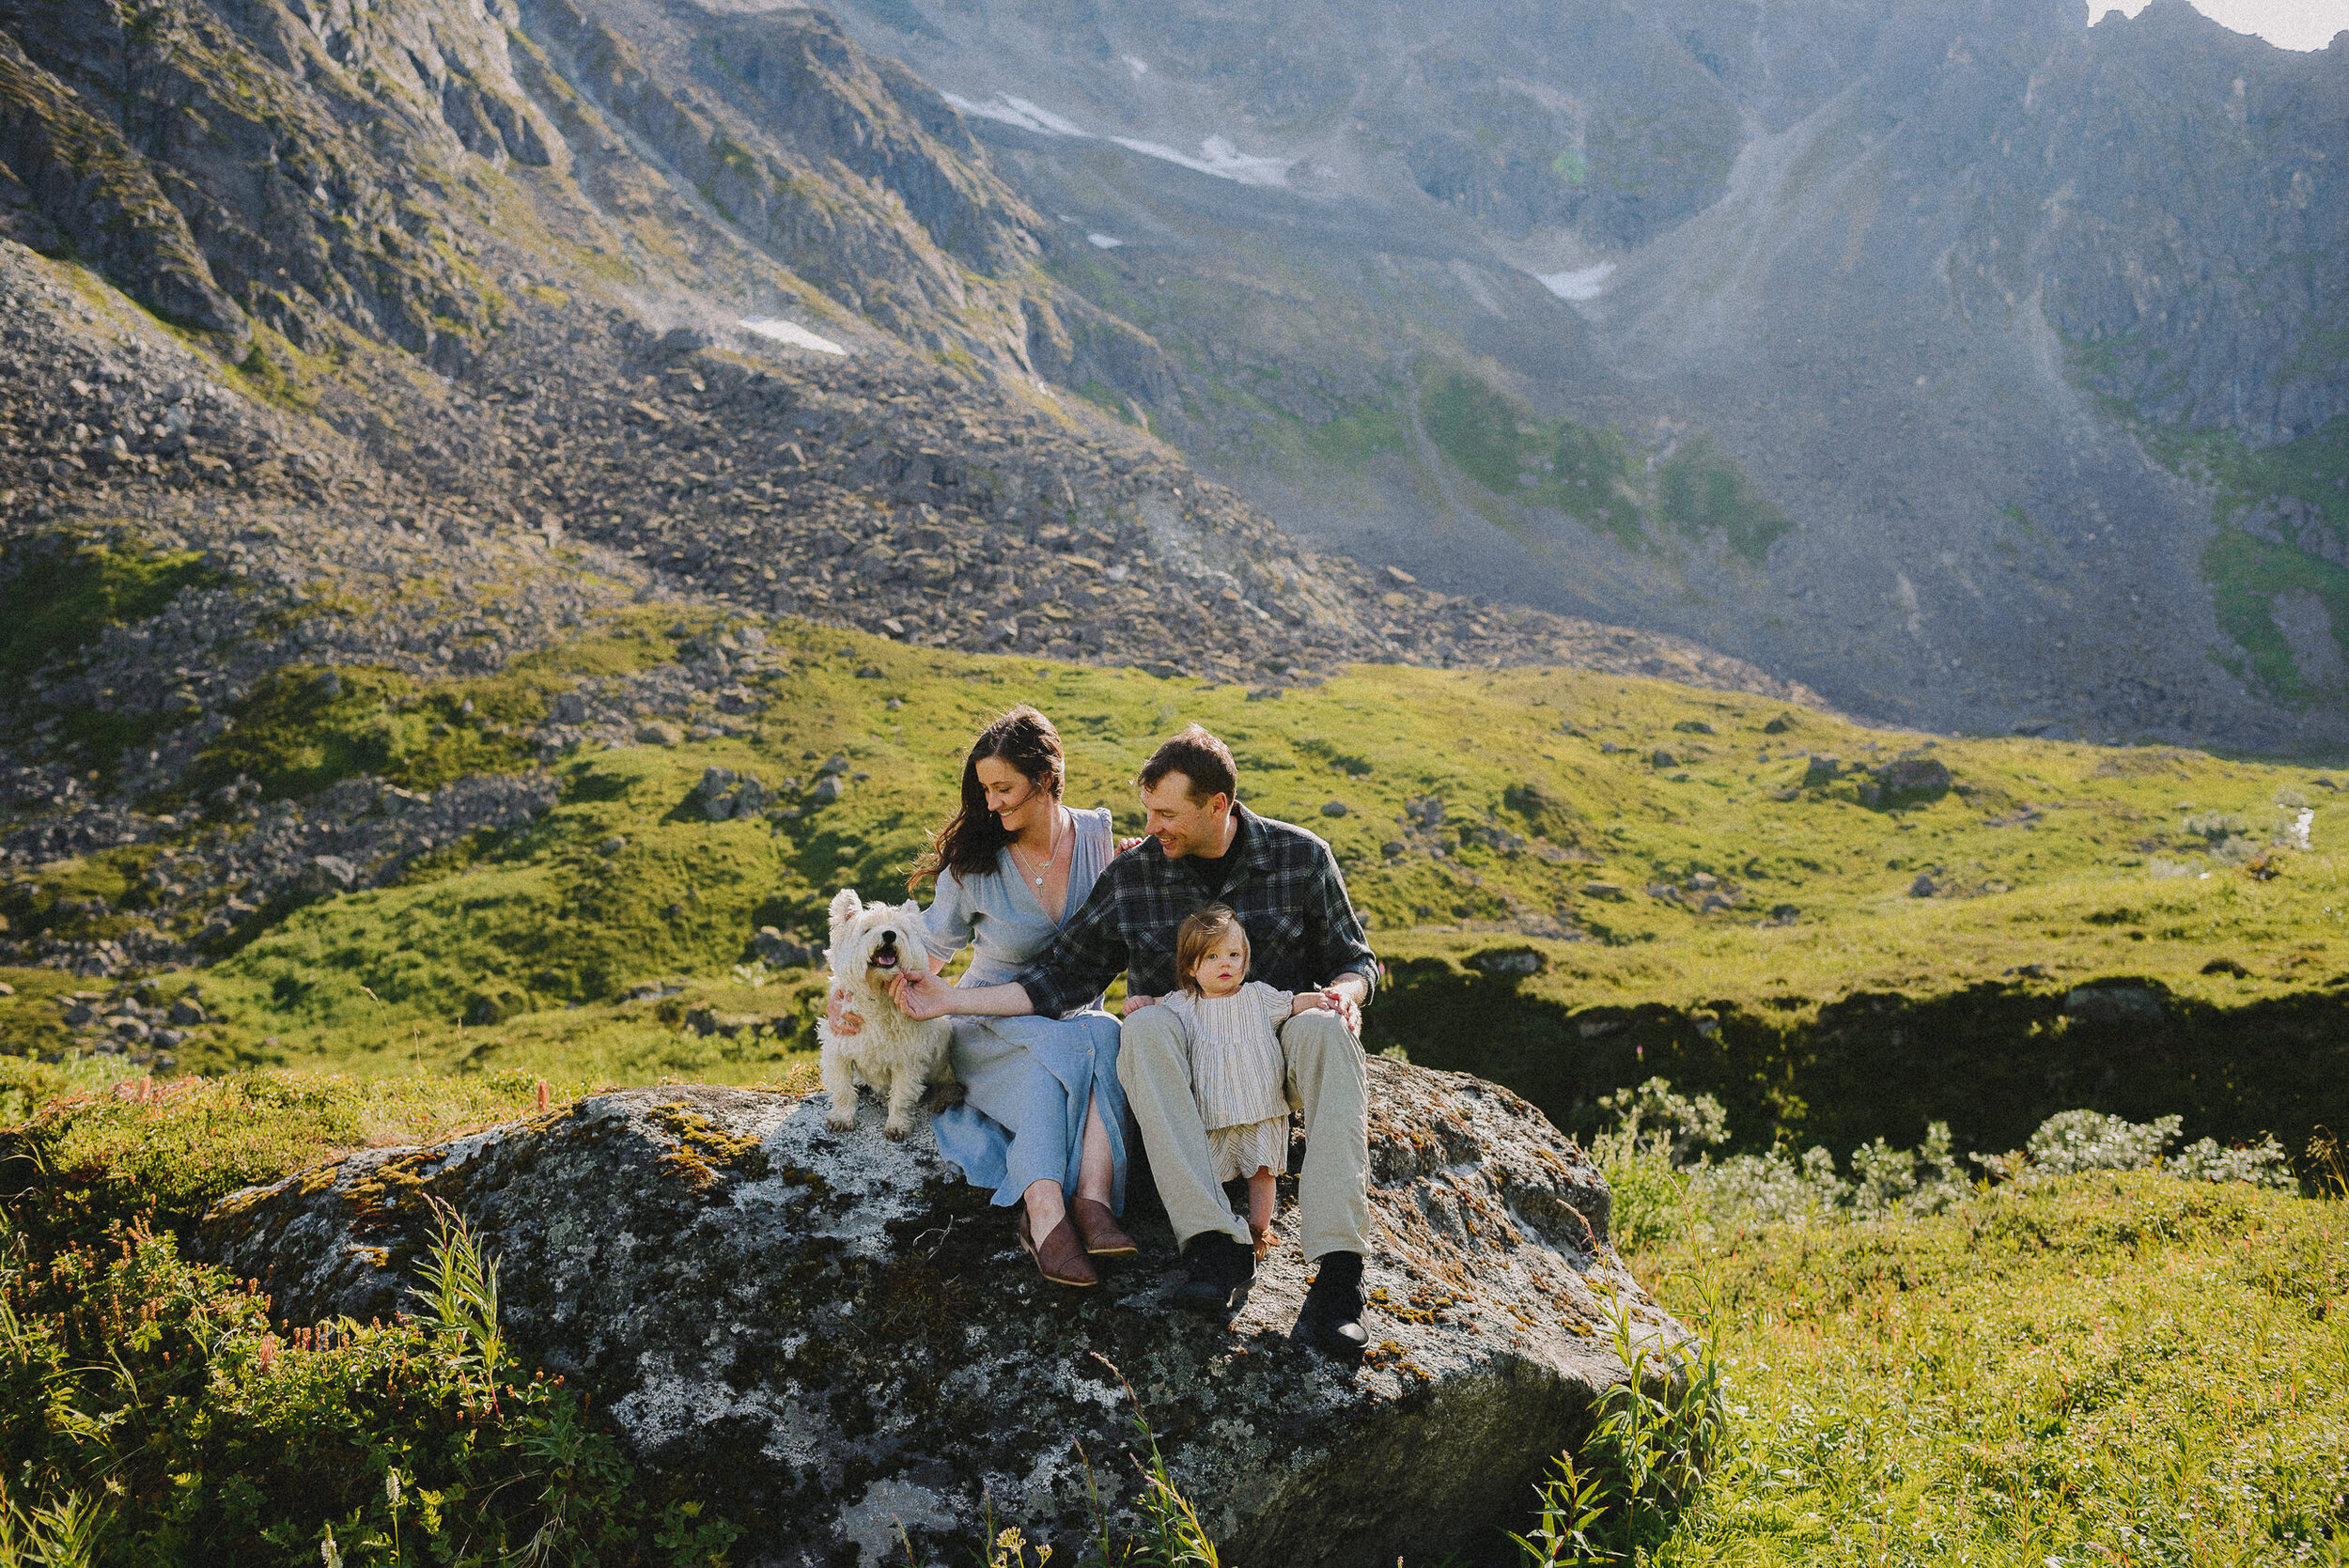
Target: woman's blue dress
(1028, 1079)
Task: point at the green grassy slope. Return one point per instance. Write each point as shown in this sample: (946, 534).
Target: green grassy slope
(2113, 1369)
(1597, 477)
(1534, 871)
(2275, 507)
(2103, 1368)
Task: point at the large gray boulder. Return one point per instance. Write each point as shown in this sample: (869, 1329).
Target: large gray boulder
(831, 1336)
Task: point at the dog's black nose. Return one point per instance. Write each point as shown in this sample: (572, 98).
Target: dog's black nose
(889, 939)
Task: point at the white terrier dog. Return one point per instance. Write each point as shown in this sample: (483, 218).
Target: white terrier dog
(870, 946)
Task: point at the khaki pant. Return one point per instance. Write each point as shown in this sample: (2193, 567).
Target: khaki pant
(1325, 1080)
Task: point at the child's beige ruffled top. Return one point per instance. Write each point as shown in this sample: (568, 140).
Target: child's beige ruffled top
(1238, 1075)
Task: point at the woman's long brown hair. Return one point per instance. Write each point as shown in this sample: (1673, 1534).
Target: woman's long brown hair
(972, 837)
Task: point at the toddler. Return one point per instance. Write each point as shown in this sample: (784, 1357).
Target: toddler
(1238, 1073)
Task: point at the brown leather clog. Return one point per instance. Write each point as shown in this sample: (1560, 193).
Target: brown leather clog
(1098, 1227)
(1060, 1259)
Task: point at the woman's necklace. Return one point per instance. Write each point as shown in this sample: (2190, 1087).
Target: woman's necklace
(1038, 878)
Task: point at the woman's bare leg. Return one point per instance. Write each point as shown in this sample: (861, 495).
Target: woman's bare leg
(1046, 1203)
(1046, 1206)
(1093, 1168)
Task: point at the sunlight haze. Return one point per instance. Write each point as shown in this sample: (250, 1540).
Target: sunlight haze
(2285, 23)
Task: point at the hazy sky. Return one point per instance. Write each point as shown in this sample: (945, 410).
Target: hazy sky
(2286, 23)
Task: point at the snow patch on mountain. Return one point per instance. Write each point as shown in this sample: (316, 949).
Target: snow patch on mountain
(1219, 158)
(1582, 283)
(792, 333)
(1009, 110)
(1217, 155)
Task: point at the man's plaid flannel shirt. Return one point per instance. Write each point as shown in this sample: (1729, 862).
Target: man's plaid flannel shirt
(1303, 931)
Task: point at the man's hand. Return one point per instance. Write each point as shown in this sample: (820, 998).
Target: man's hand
(837, 1013)
(1345, 1002)
(1135, 1004)
(1348, 1011)
(922, 997)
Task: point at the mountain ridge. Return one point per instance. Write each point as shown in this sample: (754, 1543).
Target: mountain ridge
(456, 192)
(566, 189)
(2091, 242)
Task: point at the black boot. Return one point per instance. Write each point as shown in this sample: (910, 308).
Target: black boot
(1216, 1270)
(1333, 1316)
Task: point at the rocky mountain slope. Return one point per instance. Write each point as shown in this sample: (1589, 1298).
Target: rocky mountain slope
(376, 357)
(594, 231)
(1605, 311)
(382, 355)
(201, 583)
(1968, 362)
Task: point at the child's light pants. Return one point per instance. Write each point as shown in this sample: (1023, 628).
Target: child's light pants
(1325, 1080)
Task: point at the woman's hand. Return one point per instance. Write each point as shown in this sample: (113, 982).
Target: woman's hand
(922, 997)
(837, 1013)
(1135, 1004)
(926, 996)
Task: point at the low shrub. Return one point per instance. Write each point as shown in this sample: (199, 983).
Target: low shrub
(1655, 1134)
(150, 1414)
(2076, 1140)
(1657, 1160)
(2107, 1367)
(1622, 1494)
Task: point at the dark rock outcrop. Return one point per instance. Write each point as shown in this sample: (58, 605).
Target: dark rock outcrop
(1917, 775)
(72, 179)
(221, 164)
(833, 1337)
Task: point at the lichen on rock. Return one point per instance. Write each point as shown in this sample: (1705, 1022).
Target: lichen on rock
(829, 1336)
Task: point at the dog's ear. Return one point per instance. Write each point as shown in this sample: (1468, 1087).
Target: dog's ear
(845, 906)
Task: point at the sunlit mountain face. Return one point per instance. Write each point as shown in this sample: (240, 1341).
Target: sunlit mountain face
(1970, 363)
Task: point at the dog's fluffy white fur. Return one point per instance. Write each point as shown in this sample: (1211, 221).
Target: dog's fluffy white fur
(871, 944)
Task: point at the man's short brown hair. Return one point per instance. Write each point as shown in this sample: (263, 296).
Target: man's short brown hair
(1198, 756)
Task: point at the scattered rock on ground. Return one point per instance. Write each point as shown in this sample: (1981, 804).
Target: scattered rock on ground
(2121, 1001)
(1913, 776)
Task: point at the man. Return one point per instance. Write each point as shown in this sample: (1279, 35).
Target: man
(1204, 847)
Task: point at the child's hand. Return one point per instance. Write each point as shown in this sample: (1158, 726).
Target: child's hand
(1330, 1002)
(1135, 1004)
(1123, 845)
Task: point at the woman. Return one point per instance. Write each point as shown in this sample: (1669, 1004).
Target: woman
(1044, 1117)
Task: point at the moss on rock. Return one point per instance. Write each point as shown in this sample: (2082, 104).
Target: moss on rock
(813, 1331)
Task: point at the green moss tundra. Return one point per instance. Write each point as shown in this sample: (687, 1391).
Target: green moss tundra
(1573, 878)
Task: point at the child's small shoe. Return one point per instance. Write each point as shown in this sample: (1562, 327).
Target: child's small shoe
(1263, 1242)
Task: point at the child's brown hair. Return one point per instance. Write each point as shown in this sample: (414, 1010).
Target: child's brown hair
(1200, 931)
